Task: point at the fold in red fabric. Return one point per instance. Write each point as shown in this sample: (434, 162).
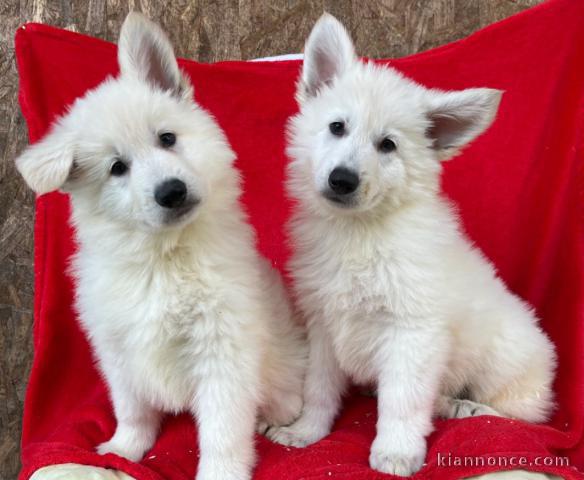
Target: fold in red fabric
(519, 187)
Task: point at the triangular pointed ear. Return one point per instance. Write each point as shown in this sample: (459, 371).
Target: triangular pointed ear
(328, 53)
(457, 118)
(145, 53)
(46, 165)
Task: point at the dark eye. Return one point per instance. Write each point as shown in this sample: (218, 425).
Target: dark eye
(118, 168)
(337, 128)
(387, 145)
(167, 139)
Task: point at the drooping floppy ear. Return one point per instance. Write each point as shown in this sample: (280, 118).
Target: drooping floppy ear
(145, 53)
(457, 118)
(328, 53)
(46, 165)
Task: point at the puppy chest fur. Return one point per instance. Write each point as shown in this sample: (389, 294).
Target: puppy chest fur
(364, 284)
(159, 325)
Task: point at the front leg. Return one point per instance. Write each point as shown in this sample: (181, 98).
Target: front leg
(225, 408)
(410, 362)
(323, 389)
(137, 422)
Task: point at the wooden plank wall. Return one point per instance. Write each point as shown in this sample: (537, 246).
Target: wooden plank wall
(205, 30)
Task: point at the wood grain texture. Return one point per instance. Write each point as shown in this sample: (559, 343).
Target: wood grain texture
(206, 30)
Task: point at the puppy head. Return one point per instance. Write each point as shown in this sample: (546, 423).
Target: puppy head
(366, 137)
(136, 150)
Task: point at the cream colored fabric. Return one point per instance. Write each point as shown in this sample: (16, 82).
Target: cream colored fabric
(71, 471)
(515, 475)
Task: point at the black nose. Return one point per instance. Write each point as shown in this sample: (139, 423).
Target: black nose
(171, 193)
(343, 181)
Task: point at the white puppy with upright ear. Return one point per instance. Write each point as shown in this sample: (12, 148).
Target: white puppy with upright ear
(181, 311)
(393, 292)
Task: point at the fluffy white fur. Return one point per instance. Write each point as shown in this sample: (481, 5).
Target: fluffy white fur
(393, 292)
(181, 311)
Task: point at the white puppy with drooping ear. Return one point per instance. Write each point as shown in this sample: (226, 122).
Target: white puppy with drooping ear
(181, 311)
(393, 292)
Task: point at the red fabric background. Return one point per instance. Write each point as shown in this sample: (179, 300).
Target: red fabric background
(519, 188)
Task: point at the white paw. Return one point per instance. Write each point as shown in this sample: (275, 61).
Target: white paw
(402, 465)
(73, 471)
(468, 408)
(262, 427)
(130, 451)
(281, 418)
(389, 455)
(299, 434)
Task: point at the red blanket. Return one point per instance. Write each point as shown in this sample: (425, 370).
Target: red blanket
(519, 187)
